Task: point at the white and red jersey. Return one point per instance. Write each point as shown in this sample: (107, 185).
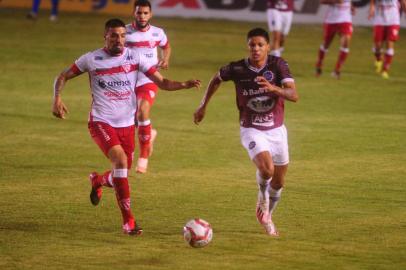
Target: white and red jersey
(112, 83)
(281, 5)
(339, 13)
(146, 42)
(387, 12)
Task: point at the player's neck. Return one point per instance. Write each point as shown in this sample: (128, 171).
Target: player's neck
(257, 63)
(140, 27)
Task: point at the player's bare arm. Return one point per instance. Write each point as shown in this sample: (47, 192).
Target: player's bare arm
(371, 12)
(287, 91)
(166, 54)
(403, 5)
(169, 85)
(59, 109)
(214, 84)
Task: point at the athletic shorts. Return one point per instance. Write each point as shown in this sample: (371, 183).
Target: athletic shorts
(386, 32)
(106, 136)
(279, 21)
(330, 29)
(275, 141)
(147, 91)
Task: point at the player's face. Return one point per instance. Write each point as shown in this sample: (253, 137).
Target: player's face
(115, 39)
(142, 16)
(258, 48)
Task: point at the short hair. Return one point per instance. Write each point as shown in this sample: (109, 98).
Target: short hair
(258, 32)
(113, 23)
(142, 3)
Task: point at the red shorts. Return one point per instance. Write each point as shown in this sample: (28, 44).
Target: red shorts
(386, 32)
(330, 29)
(147, 91)
(106, 136)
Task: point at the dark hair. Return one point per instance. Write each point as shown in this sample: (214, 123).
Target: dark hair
(258, 32)
(142, 3)
(113, 23)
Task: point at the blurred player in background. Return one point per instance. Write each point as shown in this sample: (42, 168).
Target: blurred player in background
(386, 20)
(338, 20)
(146, 38)
(279, 14)
(35, 9)
(113, 74)
(263, 82)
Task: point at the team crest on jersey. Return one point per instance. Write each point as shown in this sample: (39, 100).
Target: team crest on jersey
(126, 68)
(252, 145)
(261, 104)
(152, 44)
(268, 75)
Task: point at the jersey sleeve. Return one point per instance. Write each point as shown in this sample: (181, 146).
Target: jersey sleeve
(284, 71)
(225, 73)
(81, 64)
(163, 42)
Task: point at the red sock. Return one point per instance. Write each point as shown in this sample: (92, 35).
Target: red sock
(122, 189)
(378, 55)
(387, 61)
(341, 58)
(144, 139)
(322, 53)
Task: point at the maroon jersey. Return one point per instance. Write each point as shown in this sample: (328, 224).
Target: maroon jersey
(281, 5)
(258, 108)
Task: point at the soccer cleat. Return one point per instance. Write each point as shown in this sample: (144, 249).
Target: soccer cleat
(385, 74)
(96, 192)
(336, 74)
(154, 133)
(53, 18)
(270, 228)
(318, 71)
(142, 165)
(132, 229)
(262, 211)
(378, 66)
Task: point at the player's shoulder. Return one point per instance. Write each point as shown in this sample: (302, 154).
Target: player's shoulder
(155, 29)
(94, 55)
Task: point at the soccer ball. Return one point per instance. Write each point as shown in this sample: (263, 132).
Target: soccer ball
(197, 232)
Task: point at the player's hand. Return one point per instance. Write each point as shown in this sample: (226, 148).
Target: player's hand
(162, 64)
(264, 84)
(59, 109)
(199, 114)
(193, 83)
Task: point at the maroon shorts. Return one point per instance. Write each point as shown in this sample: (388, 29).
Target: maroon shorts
(106, 136)
(386, 32)
(330, 29)
(147, 91)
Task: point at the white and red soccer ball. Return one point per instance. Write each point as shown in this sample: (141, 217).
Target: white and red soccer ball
(197, 232)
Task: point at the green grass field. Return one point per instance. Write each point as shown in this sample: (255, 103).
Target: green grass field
(344, 205)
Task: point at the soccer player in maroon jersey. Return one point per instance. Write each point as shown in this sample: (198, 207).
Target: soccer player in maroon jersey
(113, 74)
(338, 20)
(262, 82)
(386, 20)
(146, 39)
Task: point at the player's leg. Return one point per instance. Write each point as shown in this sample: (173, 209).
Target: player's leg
(286, 25)
(146, 135)
(275, 27)
(328, 36)
(54, 10)
(34, 10)
(265, 171)
(392, 37)
(377, 49)
(345, 40)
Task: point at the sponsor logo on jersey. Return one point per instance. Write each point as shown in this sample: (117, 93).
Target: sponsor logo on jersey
(251, 92)
(261, 104)
(129, 57)
(104, 84)
(149, 55)
(251, 145)
(268, 75)
(98, 58)
(155, 34)
(265, 120)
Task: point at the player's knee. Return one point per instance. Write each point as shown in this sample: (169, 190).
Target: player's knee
(266, 171)
(121, 161)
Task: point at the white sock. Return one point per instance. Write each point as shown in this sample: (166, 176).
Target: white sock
(274, 196)
(263, 187)
(276, 53)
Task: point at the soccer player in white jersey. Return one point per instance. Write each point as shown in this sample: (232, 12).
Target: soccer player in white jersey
(386, 20)
(262, 83)
(338, 20)
(113, 74)
(146, 39)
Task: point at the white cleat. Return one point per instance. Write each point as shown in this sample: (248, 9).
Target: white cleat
(142, 165)
(270, 228)
(262, 211)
